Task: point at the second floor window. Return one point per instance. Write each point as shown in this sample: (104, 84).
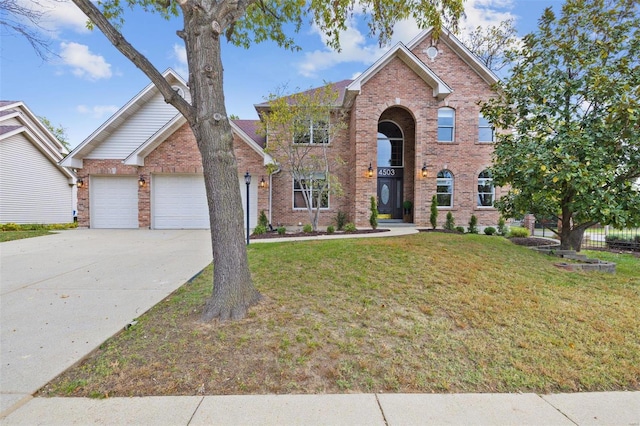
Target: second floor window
(485, 130)
(446, 124)
(312, 132)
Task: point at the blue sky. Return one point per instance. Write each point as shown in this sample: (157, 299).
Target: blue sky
(89, 79)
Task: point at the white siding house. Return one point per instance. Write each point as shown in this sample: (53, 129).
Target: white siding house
(33, 187)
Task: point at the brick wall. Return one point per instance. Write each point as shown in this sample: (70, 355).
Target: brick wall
(178, 154)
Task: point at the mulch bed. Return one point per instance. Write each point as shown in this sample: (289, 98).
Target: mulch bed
(532, 241)
(274, 234)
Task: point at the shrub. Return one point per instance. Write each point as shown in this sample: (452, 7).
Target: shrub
(473, 224)
(330, 229)
(341, 220)
(450, 224)
(307, 228)
(10, 226)
(350, 227)
(262, 220)
(282, 230)
(460, 229)
(518, 232)
(373, 217)
(259, 230)
(502, 227)
(489, 230)
(434, 212)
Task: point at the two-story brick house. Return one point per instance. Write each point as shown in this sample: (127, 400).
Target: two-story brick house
(414, 130)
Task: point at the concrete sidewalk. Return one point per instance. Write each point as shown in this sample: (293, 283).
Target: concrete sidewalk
(609, 408)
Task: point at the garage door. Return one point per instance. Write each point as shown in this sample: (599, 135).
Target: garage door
(114, 201)
(180, 202)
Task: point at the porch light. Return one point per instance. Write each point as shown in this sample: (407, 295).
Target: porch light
(80, 183)
(263, 184)
(370, 171)
(424, 170)
(141, 182)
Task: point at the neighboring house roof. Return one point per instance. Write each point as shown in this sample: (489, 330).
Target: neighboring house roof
(17, 119)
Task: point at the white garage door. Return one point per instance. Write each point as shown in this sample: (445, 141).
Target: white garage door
(114, 201)
(180, 202)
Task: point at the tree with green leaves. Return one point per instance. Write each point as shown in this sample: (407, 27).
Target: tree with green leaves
(242, 22)
(299, 129)
(572, 104)
(490, 43)
(59, 132)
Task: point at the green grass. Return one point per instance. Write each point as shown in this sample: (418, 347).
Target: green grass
(424, 313)
(19, 235)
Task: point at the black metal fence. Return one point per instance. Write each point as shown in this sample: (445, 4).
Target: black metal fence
(601, 237)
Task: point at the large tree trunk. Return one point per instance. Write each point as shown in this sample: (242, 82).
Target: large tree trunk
(233, 291)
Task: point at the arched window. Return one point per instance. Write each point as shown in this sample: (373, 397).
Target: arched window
(485, 130)
(446, 124)
(390, 142)
(486, 191)
(444, 191)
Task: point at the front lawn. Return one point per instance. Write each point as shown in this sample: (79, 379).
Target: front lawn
(19, 235)
(424, 313)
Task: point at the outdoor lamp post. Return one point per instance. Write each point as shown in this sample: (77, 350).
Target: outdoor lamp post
(247, 180)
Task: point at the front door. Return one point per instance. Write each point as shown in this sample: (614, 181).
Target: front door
(389, 193)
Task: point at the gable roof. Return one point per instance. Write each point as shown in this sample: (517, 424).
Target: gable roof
(400, 51)
(448, 38)
(74, 159)
(17, 119)
(339, 87)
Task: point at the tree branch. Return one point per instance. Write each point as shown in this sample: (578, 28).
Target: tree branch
(139, 60)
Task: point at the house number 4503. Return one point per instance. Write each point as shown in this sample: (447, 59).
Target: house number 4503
(386, 172)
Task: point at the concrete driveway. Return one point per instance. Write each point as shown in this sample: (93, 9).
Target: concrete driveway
(62, 295)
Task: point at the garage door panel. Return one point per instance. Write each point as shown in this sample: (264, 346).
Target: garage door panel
(114, 202)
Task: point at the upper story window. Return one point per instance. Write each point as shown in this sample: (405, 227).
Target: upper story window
(312, 132)
(446, 124)
(444, 191)
(390, 145)
(485, 130)
(486, 191)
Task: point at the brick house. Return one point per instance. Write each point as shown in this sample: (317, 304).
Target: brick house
(414, 130)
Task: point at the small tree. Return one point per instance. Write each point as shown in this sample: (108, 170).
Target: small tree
(299, 130)
(433, 218)
(502, 227)
(450, 223)
(473, 224)
(373, 217)
(59, 132)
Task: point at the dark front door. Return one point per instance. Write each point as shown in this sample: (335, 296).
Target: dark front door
(389, 193)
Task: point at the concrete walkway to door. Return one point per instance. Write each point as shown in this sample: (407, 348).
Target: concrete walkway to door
(62, 295)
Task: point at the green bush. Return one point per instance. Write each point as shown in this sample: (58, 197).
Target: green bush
(450, 224)
(460, 229)
(259, 230)
(330, 229)
(341, 220)
(502, 227)
(489, 230)
(350, 227)
(373, 217)
(10, 227)
(518, 232)
(307, 228)
(262, 220)
(433, 218)
(282, 230)
(473, 224)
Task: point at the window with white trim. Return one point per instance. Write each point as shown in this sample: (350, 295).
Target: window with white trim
(316, 132)
(485, 130)
(444, 191)
(310, 188)
(486, 190)
(446, 124)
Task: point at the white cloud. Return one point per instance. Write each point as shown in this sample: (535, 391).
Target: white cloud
(84, 63)
(357, 47)
(180, 54)
(58, 15)
(97, 111)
